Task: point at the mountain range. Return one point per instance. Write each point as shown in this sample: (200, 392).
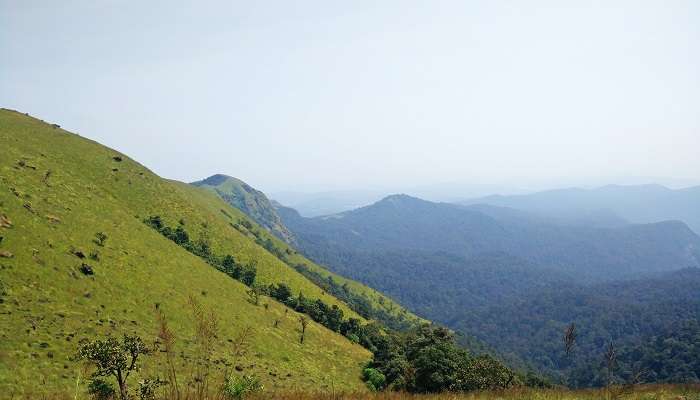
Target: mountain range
(634, 203)
(516, 278)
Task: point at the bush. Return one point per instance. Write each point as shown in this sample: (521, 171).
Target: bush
(100, 390)
(375, 380)
(148, 387)
(237, 387)
(100, 239)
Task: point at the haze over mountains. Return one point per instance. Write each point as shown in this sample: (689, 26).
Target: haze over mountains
(639, 204)
(403, 223)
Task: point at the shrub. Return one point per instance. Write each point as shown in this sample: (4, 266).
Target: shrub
(147, 388)
(237, 387)
(100, 238)
(100, 390)
(375, 380)
(86, 269)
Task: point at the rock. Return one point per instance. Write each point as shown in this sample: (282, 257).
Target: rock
(6, 254)
(5, 222)
(86, 269)
(78, 253)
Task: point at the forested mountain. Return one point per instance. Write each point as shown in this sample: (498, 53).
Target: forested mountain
(515, 279)
(636, 203)
(403, 223)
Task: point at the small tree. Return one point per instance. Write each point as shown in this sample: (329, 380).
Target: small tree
(248, 273)
(610, 361)
(374, 379)
(114, 358)
(304, 322)
(569, 338)
(254, 295)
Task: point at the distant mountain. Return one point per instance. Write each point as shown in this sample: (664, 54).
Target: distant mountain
(638, 203)
(404, 223)
(249, 200)
(514, 278)
(328, 202)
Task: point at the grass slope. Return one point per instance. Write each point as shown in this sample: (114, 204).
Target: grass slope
(57, 190)
(252, 202)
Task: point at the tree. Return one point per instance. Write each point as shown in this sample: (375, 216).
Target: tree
(254, 295)
(610, 361)
(484, 373)
(114, 358)
(180, 236)
(304, 322)
(248, 274)
(281, 292)
(375, 380)
(569, 338)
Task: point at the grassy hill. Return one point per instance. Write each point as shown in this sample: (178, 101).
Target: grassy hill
(57, 191)
(249, 200)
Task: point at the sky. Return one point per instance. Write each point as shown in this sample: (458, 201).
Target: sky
(329, 95)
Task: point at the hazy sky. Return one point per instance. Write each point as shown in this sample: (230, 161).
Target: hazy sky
(349, 94)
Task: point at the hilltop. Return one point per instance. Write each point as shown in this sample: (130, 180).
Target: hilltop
(249, 200)
(80, 261)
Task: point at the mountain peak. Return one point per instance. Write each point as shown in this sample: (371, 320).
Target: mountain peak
(399, 198)
(251, 201)
(215, 180)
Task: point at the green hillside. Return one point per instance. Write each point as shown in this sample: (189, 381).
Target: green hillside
(57, 191)
(249, 200)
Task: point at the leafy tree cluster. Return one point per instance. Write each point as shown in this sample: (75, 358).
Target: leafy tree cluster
(359, 303)
(332, 317)
(427, 359)
(227, 264)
